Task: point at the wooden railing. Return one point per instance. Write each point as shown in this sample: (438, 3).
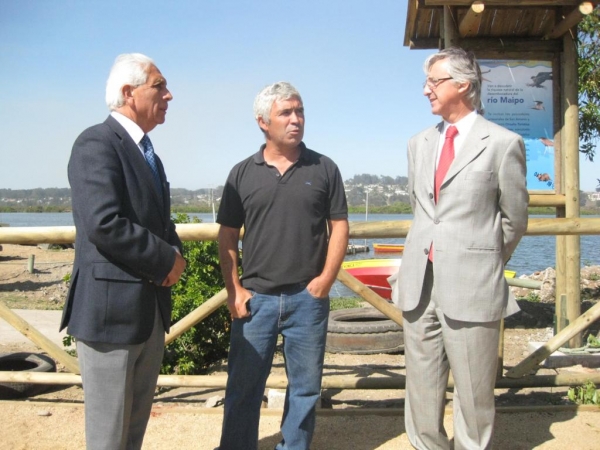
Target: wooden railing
(383, 229)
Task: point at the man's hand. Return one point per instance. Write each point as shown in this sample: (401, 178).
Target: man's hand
(318, 287)
(176, 271)
(236, 303)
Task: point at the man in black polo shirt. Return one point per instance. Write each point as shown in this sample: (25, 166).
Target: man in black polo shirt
(291, 202)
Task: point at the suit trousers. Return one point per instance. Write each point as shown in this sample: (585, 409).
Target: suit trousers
(435, 344)
(119, 382)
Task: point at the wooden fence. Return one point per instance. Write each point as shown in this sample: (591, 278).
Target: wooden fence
(514, 378)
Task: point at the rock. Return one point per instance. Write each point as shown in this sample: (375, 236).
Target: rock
(214, 401)
(275, 399)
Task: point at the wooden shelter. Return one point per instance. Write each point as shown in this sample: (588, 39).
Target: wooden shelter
(494, 29)
(525, 30)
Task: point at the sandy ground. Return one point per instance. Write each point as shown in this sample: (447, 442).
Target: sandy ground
(348, 419)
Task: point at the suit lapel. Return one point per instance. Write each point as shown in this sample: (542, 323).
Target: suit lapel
(429, 154)
(474, 143)
(134, 155)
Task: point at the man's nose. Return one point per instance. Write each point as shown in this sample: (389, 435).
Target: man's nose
(168, 96)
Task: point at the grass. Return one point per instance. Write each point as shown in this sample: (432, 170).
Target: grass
(345, 303)
(22, 301)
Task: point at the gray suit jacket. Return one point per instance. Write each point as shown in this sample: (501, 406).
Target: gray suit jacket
(124, 242)
(475, 226)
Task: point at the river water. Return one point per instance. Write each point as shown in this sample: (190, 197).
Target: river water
(534, 253)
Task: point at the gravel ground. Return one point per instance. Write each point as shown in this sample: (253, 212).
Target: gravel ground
(348, 419)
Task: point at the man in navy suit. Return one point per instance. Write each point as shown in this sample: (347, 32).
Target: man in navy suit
(127, 255)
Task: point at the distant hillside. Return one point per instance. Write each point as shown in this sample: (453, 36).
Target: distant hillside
(383, 194)
(382, 191)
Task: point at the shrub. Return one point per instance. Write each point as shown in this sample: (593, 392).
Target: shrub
(208, 342)
(587, 394)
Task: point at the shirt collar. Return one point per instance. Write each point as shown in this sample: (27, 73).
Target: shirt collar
(259, 158)
(464, 125)
(132, 128)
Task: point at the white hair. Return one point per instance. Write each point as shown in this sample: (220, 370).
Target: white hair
(263, 102)
(128, 68)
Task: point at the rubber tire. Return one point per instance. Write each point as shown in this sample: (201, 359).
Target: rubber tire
(363, 331)
(26, 362)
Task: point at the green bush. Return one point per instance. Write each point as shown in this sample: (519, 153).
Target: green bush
(587, 394)
(208, 342)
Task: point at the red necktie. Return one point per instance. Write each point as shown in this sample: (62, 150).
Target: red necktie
(445, 160)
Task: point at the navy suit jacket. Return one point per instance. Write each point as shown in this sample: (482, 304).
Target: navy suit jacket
(125, 240)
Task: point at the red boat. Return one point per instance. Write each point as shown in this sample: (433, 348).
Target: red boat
(388, 248)
(374, 273)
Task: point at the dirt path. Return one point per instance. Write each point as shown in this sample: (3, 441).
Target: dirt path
(348, 419)
(43, 426)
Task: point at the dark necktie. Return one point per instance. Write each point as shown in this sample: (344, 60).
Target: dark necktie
(446, 159)
(149, 155)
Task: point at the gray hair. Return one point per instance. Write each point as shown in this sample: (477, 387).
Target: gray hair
(462, 67)
(128, 68)
(263, 102)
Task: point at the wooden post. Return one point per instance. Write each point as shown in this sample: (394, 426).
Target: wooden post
(571, 170)
(500, 368)
(30, 263)
(574, 328)
(381, 304)
(38, 338)
(330, 381)
(197, 315)
(450, 30)
(470, 23)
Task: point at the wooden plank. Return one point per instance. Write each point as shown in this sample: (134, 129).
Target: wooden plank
(470, 22)
(196, 316)
(371, 297)
(38, 338)
(411, 21)
(524, 47)
(508, 3)
(330, 381)
(577, 326)
(572, 19)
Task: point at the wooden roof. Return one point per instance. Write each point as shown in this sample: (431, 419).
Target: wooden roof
(495, 26)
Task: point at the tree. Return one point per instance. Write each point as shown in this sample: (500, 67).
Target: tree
(588, 50)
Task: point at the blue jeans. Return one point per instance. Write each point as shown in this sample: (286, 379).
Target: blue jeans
(302, 321)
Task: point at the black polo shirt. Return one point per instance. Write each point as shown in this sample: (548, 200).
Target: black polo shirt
(284, 217)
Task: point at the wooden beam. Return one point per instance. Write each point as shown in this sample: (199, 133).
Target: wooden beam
(411, 21)
(508, 3)
(570, 146)
(371, 297)
(330, 381)
(424, 44)
(469, 25)
(450, 28)
(571, 20)
(521, 45)
(196, 316)
(38, 338)
(576, 327)
(546, 200)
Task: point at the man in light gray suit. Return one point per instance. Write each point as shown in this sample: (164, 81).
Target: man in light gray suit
(127, 255)
(469, 199)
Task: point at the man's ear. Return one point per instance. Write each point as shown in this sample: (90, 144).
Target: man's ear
(127, 92)
(262, 124)
(463, 87)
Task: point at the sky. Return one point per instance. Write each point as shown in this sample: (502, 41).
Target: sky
(361, 87)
